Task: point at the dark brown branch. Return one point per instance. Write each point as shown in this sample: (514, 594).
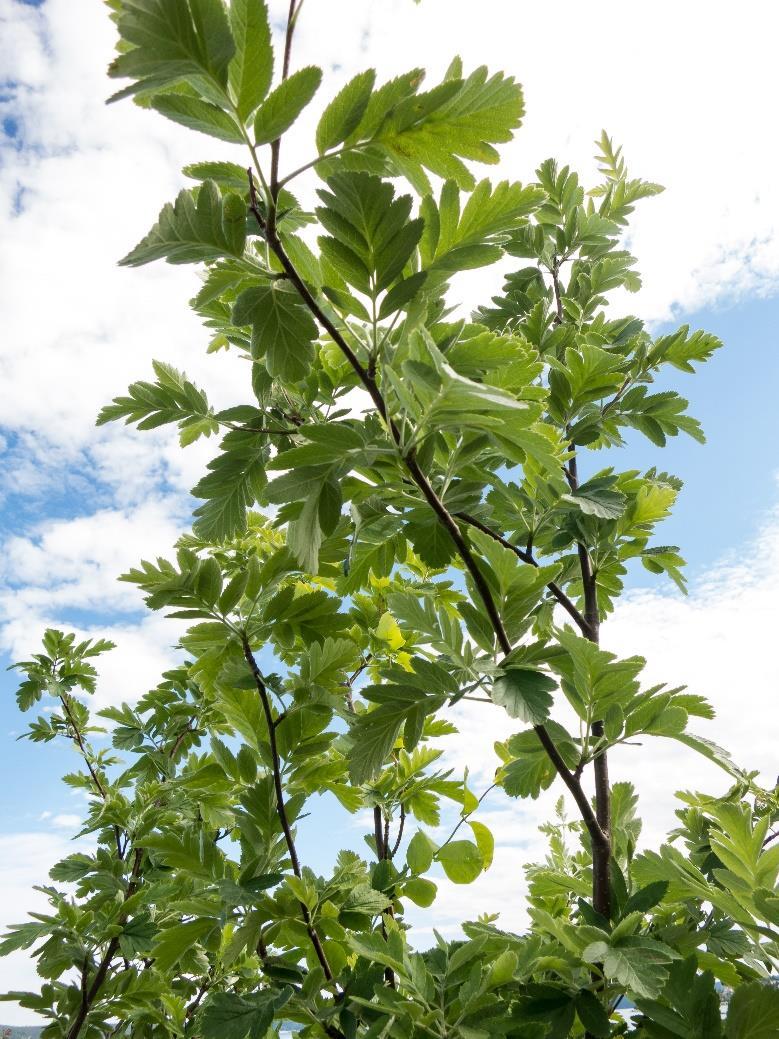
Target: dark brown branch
(601, 855)
(527, 557)
(558, 295)
(438, 507)
(381, 836)
(190, 727)
(275, 148)
(195, 1003)
(281, 807)
(105, 963)
(399, 837)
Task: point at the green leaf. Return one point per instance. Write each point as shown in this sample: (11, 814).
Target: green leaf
(637, 963)
(166, 41)
(345, 111)
(431, 542)
(525, 694)
(461, 860)
(226, 174)
(284, 104)
(455, 241)
(690, 1006)
(592, 1014)
(597, 497)
(283, 330)
(461, 117)
(198, 115)
(373, 733)
(200, 225)
(485, 842)
(364, 899)
(251, 69)
(372, 238)
(646, 898)
(137, 937)
(753, 1012)
(228, 1015)
(374, 736)
(420, 852)
(234, 481)
(422, 892)
(173, 398)
(175, 941)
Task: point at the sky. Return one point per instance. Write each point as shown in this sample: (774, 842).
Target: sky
(684, 88)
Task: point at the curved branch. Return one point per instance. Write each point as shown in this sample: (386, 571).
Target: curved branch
(443, 514)
(527, 557)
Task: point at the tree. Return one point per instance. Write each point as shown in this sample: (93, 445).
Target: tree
(428, 530)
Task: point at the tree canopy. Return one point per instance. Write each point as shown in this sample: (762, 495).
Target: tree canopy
(404, 509)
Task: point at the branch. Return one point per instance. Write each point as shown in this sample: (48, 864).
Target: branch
(281, 807)
(601, 855)
(527, 557)
(467, 815)
(89, 995)
(554, 270)
(275, 148)
(399, 837)
(438, 507)
(79, 739)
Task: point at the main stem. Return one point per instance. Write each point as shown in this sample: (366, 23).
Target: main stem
(601, 853)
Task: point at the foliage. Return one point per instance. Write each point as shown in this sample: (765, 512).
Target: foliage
(402, 512)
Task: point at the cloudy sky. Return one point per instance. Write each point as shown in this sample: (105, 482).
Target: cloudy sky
(684, 87)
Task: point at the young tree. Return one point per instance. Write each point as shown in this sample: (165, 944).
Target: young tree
(430, 532)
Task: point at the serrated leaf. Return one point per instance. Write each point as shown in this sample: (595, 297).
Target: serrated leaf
(200, 225)
(251, 68)
(199, 115)
(284, 104)
(525, 694)
(166, 41)
(283, 330)
(228, 1015)
(174, 942)
(753, 1012)
(345, 111)
(234, 481)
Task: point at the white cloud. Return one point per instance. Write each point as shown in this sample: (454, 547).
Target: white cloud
(67, 821)
(64, 571)
(78, 329)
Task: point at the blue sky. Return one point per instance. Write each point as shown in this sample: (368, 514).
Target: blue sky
(80, 183)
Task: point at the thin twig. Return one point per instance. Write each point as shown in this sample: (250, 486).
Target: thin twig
(79, 740)
(281, 807)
